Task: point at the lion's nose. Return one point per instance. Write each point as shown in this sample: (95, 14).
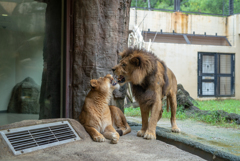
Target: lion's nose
(113, 69)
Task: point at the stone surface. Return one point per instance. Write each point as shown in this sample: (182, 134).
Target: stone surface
(101, 32)
(76, 125)
(183, 97)
(215, 141)
(129, 147)
(25, 97)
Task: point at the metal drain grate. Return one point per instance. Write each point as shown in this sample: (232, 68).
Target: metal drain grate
(31, 138)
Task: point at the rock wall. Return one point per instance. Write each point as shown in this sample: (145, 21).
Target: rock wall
(101, 32)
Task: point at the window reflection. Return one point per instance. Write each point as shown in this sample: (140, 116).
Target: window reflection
(22, 26)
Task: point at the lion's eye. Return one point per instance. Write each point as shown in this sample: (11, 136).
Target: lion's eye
(123, 64)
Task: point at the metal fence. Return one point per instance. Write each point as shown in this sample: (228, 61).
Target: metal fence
(209, 7)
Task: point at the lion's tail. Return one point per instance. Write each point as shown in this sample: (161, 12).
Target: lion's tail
(168, 103)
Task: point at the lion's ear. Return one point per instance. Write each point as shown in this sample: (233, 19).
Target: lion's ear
(136, 61)
(93, 83)
(121, 54)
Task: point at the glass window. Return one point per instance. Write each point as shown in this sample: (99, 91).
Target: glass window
(22, 29)
(216, 74)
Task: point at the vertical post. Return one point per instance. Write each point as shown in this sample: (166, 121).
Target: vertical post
(68, 80)
(136, 14)
(231, 7)
(223, 8)
(177, 5)
(149, 5)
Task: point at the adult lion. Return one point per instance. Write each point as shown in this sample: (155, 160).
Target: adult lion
(151, 81)
(97, 117)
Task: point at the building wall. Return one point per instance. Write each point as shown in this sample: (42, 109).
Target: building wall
(182, 59)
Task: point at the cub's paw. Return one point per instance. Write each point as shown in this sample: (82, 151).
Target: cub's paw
(99, 138)
(115, 138)
(175, 129)
(140, 133)
(150, 135)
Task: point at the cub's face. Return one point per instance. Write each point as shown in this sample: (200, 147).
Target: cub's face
(104, 84)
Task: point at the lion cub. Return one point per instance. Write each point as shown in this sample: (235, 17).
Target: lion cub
(97, 117)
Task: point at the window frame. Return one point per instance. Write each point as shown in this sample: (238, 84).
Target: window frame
(216, 75)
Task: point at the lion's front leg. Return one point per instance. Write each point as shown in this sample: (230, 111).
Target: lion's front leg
(145, 115)
(96, 136)
(111, 134)
(151, 131)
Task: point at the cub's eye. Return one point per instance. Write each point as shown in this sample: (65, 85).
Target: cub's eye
(124, 65)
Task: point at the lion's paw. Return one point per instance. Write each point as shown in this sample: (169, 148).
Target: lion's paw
(149, 136)
(100, 138)
(176, 129)
(114, 138)
(140, 133)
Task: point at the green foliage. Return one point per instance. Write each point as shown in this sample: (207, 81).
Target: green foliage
(158, 4)
(213, 119)
(236, 6)
(206, 6)
(136, 112)
(230, 106)
(202, 6)
(132, 111)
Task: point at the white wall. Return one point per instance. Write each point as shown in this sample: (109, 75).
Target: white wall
(182, 23)
(183, 58)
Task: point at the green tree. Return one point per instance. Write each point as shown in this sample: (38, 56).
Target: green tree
(236, 6)
(206, 6)
(202, 6)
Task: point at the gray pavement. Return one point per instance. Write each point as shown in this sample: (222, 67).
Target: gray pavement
(130, 147)
(219, 139)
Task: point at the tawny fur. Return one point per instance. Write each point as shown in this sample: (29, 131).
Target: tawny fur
(97, 117)
(151, 81)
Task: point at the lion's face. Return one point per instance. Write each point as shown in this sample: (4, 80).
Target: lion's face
(132, 68)
(104, 84)
(122, 70)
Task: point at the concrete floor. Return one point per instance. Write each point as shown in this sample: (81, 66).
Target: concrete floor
(8, 118)
(129, 147)
(224, 139)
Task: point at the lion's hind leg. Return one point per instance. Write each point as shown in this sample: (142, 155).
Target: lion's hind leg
(96, 136)
(173, 103)
(111, 134)
(119, 121)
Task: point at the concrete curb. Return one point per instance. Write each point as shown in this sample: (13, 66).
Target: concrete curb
(196, 148)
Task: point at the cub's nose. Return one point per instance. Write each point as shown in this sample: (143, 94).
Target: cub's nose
(113, 69)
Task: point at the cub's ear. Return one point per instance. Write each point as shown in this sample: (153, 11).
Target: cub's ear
(93, 83)
(121, 54)
(136, 60)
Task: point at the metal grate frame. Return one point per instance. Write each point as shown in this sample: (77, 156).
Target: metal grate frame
(32, 138)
